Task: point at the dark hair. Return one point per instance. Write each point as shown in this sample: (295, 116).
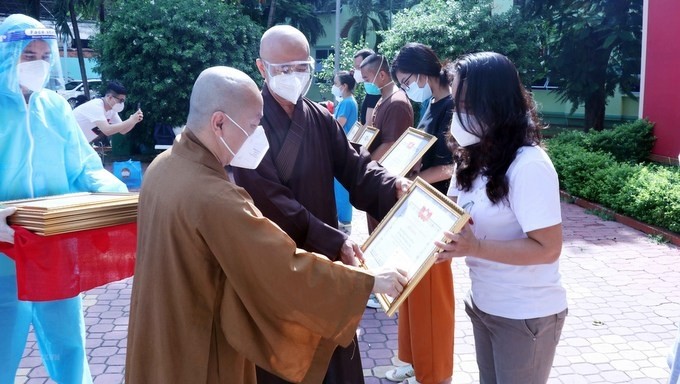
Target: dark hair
(115, 87)
(376, 63)
(346, 77)
(364, 53)
(420, 59)
(80, 100)
(497, 100)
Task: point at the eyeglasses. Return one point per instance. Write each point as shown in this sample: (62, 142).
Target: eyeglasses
(403, 85)
(119, 99)
(301, 66)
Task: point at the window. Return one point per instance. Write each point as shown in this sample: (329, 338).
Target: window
(320, 55)
(84, 42)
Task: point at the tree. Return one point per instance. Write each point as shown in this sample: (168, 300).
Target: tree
(33, 8)
(302, 15)
(158, 48)
(327, 74)
(592, 47)
(456, 27)
(368, 14)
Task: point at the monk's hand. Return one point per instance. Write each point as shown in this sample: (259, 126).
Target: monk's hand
(351, 254)
(390, 281)
(6, 232)
(463, 243)
(402, 185)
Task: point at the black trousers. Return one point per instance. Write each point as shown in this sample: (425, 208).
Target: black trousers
(344, 368)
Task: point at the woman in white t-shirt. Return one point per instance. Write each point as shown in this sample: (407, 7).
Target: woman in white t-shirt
(508, 184)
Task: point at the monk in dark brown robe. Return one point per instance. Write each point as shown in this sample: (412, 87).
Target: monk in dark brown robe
(293, 185)
(218, 287)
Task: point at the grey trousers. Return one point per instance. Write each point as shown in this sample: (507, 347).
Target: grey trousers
(514, 351)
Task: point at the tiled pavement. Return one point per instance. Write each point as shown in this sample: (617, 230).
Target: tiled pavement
(624, 305)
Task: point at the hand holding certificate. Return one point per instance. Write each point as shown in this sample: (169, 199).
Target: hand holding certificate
(406, 238)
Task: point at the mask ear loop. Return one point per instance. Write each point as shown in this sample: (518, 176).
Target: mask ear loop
(236, 124)
(378, 71)
(227, 145)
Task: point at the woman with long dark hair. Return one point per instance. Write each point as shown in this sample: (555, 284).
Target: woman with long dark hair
(508, 184)
(426, 318)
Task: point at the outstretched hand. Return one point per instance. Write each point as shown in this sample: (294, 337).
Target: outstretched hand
(390, 281)
(351, 254)
(402, 185)
(6, 232)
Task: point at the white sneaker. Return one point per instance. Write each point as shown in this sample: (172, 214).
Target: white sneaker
(400, 374)
(373, 302)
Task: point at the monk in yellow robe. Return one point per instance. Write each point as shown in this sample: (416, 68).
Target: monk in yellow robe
(218, 288)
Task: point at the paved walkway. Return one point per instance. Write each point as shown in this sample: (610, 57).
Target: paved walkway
(624, 304)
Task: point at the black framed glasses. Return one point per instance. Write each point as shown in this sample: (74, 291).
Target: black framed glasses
(402, 83)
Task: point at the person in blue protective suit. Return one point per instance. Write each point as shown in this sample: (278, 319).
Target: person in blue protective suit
(42, 152)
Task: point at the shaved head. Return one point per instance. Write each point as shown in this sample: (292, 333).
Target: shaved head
(375, 63)
(221, 89)
(282, 44)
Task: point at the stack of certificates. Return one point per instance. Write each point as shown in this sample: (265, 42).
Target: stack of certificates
(74, 212)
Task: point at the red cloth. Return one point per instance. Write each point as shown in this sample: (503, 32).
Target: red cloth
(61, 266)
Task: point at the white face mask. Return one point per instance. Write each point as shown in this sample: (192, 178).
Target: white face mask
(252, 150)
(357, 76)
(33, 74)
(290, 86)
(336, 91)
(118, 107)
(463, 137)
(418, 94)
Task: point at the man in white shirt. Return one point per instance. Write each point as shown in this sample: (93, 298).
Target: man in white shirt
(99, 117)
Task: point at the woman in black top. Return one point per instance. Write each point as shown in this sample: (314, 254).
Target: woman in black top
(424, 78)
(426, 318)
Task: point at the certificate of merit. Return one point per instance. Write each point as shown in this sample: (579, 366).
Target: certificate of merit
(405, 238)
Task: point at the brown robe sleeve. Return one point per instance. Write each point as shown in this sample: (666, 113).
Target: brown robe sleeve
(282, 308)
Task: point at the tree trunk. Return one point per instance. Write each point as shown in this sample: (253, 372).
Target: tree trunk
(594, 115)
(102, 12)
(270, 18)
(596, 101)
(34, 8)
(79, 47)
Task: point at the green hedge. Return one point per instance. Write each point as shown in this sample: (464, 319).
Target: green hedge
(605, 167)
(630, 142)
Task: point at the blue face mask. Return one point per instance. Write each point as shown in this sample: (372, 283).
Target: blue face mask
(371, 88)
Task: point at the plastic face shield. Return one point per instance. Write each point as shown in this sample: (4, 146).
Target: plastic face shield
(300, 66)
(13, 44)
